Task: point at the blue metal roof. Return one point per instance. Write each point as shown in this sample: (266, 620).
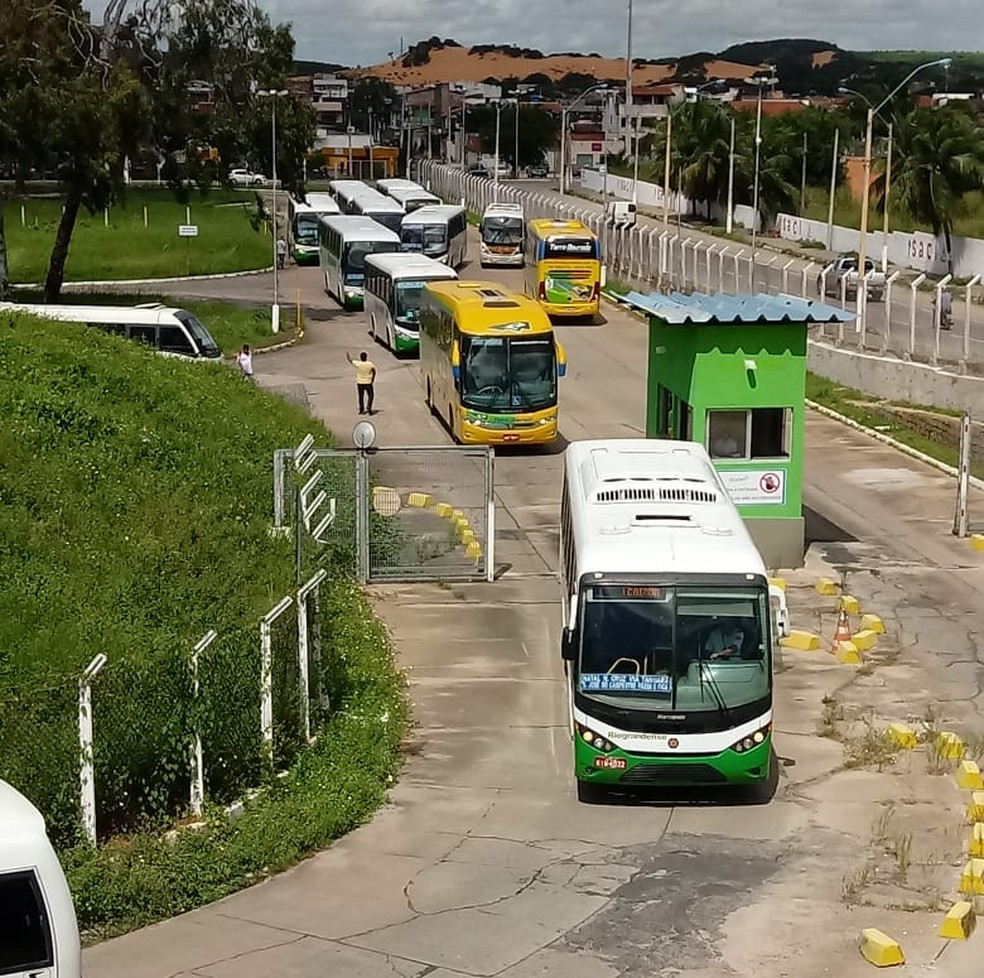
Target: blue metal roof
(680, 309)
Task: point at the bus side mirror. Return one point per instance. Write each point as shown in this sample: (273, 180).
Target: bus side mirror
(561, 361)
(455, 361)
(568, 646)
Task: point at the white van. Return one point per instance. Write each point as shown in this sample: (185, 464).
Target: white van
(39, 934)
(172, 332)
(620, 213)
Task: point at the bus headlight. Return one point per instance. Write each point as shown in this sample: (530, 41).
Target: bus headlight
(595, 740)
(752, 740)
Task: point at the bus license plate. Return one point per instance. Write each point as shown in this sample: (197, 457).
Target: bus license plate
(611, 763)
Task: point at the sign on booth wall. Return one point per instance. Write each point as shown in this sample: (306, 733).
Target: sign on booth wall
(755, 487)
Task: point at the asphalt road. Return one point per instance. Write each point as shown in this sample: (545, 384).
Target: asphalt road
(484, 864)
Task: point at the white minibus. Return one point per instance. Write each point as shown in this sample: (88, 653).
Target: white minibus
(502, 235)
(438, 231)
(39, 932)
(344, 190)
(346, 240)
(172, 332)
(382, 209)
(394, 284)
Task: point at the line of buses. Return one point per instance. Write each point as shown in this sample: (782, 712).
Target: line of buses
(489, 359)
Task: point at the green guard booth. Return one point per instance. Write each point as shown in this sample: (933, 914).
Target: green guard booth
(730, 372)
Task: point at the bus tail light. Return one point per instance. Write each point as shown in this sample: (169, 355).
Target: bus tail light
(752, 740)
(543, 291)
(596, 291)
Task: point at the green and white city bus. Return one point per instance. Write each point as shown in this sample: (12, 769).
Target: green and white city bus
(346, 240)
(393, 288)
(303, 218)
(667, 621)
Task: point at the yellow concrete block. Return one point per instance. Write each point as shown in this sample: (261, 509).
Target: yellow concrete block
(865, 640)
(969, 776)
(460, 523)
(385, 501)
(419, 499)
(826, 586)
(779, 582)
(902, 736)
(872, 623)
(474, 550)
(972, 877)
(976, 847)
(959, 923)
(977, 541)
(879, 949)
(851, 605)
(848, 654)
(467, 536)
(457, 514)
(444, 510)
(949, 746)
(975, 808)
(801, 641)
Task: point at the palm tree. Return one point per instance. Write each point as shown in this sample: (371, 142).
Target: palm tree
(777, 164)
(701, 150)
(940, 157)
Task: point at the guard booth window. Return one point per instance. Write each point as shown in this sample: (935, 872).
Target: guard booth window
(758, 433)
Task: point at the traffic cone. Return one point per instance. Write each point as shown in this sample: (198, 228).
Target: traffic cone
(843, 631)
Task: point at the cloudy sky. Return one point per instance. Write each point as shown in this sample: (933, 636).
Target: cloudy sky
(364, 31)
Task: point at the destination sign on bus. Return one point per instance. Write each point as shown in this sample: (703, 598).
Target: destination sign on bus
(578, 247)
(606, 682)
(629, 592)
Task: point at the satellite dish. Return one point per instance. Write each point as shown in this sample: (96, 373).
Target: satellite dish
(364, 435)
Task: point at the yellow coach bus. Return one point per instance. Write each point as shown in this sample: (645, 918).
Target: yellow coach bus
(563, 267)
(490, 363)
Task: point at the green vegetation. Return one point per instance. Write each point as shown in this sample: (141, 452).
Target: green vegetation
(136, 495)
(227, 238)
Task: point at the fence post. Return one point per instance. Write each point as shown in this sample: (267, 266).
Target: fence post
(968, 300)
(266, 675)
(807, 269)
(303, 671)
(721, 257)
(197, 765)
(362, 516)
(785, 275)
(889, 282)
(87, 770)
(738, 255)
(490, 518)
(961, 521)
(914, 285)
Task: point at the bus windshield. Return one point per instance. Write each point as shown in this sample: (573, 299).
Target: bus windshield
(406, 298)
(306, 228)
(354, 258)
(431, 239)
(499, 374)
(202, 337)
(674, 649)
(502, 231)
(570, 247)
(388, 219)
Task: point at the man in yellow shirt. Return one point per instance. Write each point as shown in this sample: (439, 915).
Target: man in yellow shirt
(365, 378)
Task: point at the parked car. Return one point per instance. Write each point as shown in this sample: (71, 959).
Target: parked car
(538, 171)
(242, 177)
(845, 269)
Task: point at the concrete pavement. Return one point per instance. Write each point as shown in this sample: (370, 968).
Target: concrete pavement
(483, 864)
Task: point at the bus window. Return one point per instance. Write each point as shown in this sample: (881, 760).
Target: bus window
(206, 345)
(145, 334)
(113, 329)
(173, 339)
(26, 944)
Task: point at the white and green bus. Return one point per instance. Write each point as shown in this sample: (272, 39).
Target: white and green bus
(303, 217)
(439, 231)
(346, 240)
(382, 209)
(393, 288)
(667, 621)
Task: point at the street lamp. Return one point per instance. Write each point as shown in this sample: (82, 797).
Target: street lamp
(274, 94)
(563, 131)
(872, 111)
(760, 82)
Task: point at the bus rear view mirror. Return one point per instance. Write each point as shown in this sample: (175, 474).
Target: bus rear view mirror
(568, 647)
(561, 360)
(455, 361)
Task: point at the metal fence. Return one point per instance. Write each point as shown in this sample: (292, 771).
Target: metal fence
(651, 255)
(390, 514)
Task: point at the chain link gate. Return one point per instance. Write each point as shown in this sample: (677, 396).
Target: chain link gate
(390, 514)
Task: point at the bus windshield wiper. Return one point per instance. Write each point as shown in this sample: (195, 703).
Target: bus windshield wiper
(714, 688)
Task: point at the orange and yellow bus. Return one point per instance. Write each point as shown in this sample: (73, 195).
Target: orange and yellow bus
(490, 363)
(563, 267)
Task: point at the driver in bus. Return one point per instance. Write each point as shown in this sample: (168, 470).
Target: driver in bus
(725, 641)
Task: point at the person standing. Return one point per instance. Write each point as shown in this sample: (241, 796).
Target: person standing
(244, 360)
(365, 380)
(281, 252)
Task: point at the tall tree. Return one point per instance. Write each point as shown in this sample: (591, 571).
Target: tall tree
(538, 132)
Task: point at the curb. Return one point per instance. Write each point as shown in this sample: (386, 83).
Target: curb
(145, 281)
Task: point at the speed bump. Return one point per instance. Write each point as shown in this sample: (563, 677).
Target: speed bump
(977, 541)
(849, 604)
(969, 776)
(949, 746)
(873, 623)
(848, 654)
(976, 848)
(802, 641)
(902, 736)
(865, 640)
(826, 586)
(419, 499)
(972, 877)
(959, 922)
(879, 949)
(975, 808)
(444, 510)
